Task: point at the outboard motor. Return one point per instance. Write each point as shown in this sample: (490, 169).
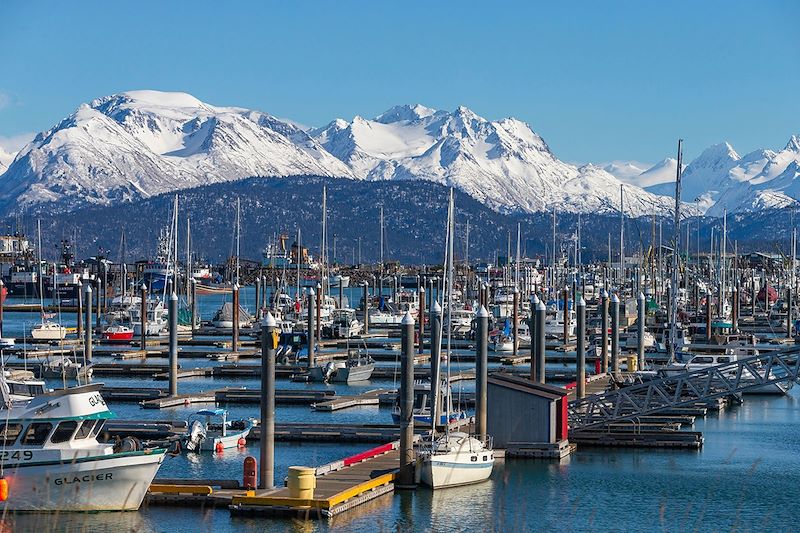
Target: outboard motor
(330, 368)
(197, 434)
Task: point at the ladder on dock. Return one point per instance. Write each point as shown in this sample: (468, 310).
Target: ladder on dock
(649, 397)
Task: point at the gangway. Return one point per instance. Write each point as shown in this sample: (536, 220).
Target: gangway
(656, 395)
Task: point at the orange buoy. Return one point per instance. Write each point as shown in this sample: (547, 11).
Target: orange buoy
(218, 448)
(3, 489)
(242, 442)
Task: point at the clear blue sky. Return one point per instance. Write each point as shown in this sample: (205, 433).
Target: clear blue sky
(598, 80)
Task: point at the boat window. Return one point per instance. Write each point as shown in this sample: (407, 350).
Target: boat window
(723, 359)
(474, 458)
(98, 427)
(9, 433)
(85, 430)
(702, 360)
(64, 431)
(36, 433)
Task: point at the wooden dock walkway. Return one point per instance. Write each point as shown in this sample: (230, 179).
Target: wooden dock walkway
(371, 397)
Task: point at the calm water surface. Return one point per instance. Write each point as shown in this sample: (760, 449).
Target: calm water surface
(745, 478)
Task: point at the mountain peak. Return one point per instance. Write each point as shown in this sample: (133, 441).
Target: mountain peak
(405, 112)
(793, 144)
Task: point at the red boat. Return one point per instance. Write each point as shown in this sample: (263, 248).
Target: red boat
(118, 333)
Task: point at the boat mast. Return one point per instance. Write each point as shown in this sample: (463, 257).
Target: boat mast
(516, 264)
(238, 235)
(722, 280)
(381, 251)
(673, 326)
(449, 288)
(297, 295)
(39, 269)
(188, 259)
(621, 239)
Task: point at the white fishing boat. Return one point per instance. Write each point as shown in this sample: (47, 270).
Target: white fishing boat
(730, 355)
(554, 323)
(48, 331)
(355, 369)
(344, 324)
(223, 318)
(52, 460)
(210, 430)
(157, 318)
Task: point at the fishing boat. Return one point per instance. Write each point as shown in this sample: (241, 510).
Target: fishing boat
(344, 324)
(210, 430)
(118, 332)
(357, 368)
(48, 331)
(421, 412)
(53, 461)
(66, 368)
(157, 318)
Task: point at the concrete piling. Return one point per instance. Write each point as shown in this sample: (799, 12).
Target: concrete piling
(194, 305)
(541, 312)
(640, 320)
(142, 311)
(534, 344)
(312, 328)
(481, 370)
(615, 332)
(87, 338)
(515, 324)
(267, 442)
(365, 297)
(235, 328)
(79, 315)
(405, 477)
(421, 329)
(173, 344)
(580, 356)
(258, 297)
(604, 333)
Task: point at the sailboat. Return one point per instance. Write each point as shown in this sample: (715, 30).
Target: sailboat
(454, 458)
(47, 330)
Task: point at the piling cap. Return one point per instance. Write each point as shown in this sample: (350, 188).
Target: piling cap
(640, 297)
(269, 321)
(516, 290)
(540, 306)
(581, 302)
(422, 288)
(603, 293)
(173, 297)
(311, 292)
(734, 289)
(88, 288)
(236, 286)
(193, 281)
(144, 286)
(482, 313)
(408, 320)
(79, 284)
(614, 298)
(436, 309)
(534, 299)
(319, 286)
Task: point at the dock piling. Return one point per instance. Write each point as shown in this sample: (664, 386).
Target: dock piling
(640, 319)
(267, 442)
(312, 328)
(541, 356)
(143, 315)
(405, 476)
(258, 297)
(235, 328)
(87, 340)
(580, 379)
(421, 304)
(604, 333)
(515, 319)
(79, 315)
(436, 334)
(532, 327)
(173, 344)
(615, 333)
(481, 371)
(365, 297)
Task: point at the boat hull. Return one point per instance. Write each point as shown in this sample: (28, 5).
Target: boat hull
(450, 470)
(117, 482)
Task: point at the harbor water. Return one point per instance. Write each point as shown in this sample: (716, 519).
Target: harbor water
(742, 479)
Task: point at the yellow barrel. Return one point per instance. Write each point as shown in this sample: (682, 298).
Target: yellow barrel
(301, 482)
(632, 363)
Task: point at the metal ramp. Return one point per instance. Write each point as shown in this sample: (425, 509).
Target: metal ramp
(687, 388)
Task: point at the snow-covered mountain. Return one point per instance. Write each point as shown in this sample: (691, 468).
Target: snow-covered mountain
(720, 179)
(643, 175)
(503, 163)
(141, 143)
(5, 159)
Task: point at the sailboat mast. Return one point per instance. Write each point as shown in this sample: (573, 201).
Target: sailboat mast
(621, 237)
(238, 235)
(450, 224)
(39, 269)
(516, 262)
(673, 325)
(188, 259)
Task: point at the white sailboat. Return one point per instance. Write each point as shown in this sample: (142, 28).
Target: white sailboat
(456, 458)
(47, 330)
